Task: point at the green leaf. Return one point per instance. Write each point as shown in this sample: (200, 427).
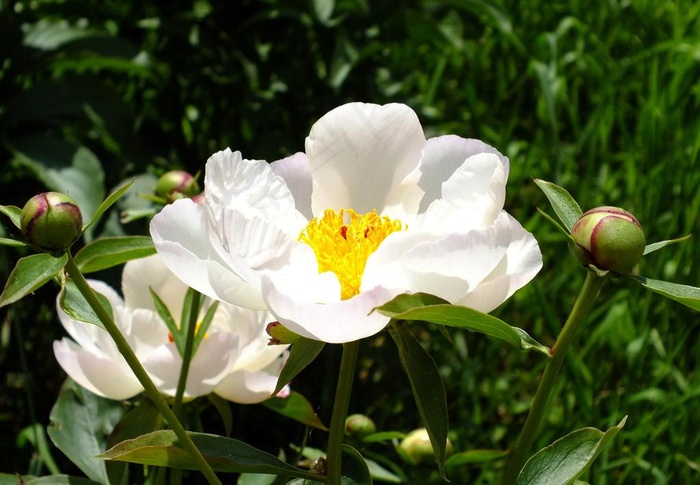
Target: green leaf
(204, 326)
(568, 458)
(7, 479)
(111, 251)
(141, 419)
(563, 204)
(76, 306)
(30, 273)
(378, 472)
(427, 386)
(301, 354)
(384, 436)
(13, 212)
(80, 424)
(686, 295)
(662, 244)
(401, 308)
(474, 456)
(224, 409)
(173, 328)
(295, 406)
(354, 466)
(108, 202)
(162, 448)
(12, 242)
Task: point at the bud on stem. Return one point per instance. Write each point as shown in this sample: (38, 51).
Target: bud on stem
(51, 221)
(609, 238)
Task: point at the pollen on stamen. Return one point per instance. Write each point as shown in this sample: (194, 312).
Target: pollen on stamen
(343, 241)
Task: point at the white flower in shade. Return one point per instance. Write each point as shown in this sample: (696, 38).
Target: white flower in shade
(233, 359)
(370, 211)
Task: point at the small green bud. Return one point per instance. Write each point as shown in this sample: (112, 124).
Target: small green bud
(279, 334)
(417, 448)
(51, 221)
(609, 238)
(176, 184)
(359, 426)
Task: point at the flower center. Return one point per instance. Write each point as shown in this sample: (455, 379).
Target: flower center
(343, 246)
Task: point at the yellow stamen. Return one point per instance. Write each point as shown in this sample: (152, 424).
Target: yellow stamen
(343, 247)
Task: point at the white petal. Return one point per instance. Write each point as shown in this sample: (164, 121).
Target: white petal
(296, 172)
(249, 186)
(211, 363)
(303, 303)
(365, 157)
(96, 373)
(145, 274)
(247, 387)
(181, 238)
(443, 155)
(472, 197)
(146, 330)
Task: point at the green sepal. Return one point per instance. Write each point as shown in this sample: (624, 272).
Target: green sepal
(108, 202)
(563, 204)
(650, 248)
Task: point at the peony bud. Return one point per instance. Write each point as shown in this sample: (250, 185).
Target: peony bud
(609, 238)
(176, 184)
(359, 426)
(51, 221)
(417, 448)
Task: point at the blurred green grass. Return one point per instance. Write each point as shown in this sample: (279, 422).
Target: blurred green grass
(599, 97)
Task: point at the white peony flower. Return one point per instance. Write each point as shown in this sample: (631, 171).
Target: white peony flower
(370, 211)
(233, 359)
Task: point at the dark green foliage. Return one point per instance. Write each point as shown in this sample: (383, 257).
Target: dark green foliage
(602, 100)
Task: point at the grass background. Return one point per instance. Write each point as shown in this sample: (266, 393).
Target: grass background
(600, 97)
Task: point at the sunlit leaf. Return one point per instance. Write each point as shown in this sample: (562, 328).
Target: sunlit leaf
(13, 212)
(563, 204)
(111, 251)
(295, 406)
(686, 295)
(301, 354)
(427, 386)
(162, 448)
(80, 424)
(29, 274)
(108, 202)
(568, 458)
(662, 244)
(76, 306)
(7, 479)
(173, 328)
(378, 472)
(383, 436)
(401, 308)
(474, 456)
(12, 242)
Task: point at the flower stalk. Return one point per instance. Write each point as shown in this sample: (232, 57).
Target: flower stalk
(187, 354)
(340, 412)
(138, 370)
(585, 299)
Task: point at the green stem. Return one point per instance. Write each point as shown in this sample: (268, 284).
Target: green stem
(551, 372)
(137, 369)
(187, 354)
(340, 412)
